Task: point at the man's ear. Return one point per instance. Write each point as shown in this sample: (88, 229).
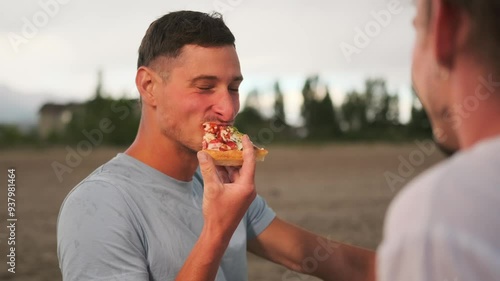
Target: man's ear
(147, 84)
(448, 27)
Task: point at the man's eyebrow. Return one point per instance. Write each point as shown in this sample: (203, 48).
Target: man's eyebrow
(203, 77)
(238, 78)
(213, 78)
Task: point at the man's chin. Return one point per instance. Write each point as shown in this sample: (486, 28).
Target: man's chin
(190, 147)
(446, 150)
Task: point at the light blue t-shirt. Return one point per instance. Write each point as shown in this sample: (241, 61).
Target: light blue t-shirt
(129, 221)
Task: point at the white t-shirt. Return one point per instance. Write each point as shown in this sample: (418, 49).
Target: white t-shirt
(445, 226)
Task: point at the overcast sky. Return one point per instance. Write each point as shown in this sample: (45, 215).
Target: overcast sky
(57, 46)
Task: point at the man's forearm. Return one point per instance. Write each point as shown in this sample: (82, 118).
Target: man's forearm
(305, 252)
(347, 262)
(205, 257)
(333, 261)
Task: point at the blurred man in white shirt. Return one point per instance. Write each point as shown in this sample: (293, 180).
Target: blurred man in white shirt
(444, 225)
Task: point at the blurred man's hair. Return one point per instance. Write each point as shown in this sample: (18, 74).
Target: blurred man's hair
(484, 38)
(167, 35)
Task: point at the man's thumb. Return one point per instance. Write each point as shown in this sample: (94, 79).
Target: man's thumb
(207, 166)
(211, 179)
(202, 157)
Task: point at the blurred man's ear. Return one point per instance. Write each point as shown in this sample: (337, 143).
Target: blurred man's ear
(450, 32)
(146, 82)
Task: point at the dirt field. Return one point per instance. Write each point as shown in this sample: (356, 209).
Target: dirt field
(339, 191)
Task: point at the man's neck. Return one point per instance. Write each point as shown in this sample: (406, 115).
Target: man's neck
(164, 155)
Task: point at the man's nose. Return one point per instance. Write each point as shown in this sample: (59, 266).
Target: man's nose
(225, 106)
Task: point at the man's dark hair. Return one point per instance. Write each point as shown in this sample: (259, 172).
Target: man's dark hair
(485, 33)
(167, 35)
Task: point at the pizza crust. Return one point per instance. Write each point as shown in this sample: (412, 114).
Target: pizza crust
(234, 157)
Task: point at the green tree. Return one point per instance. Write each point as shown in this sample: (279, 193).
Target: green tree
(354, 112)
(124, 118)
(279, 106)
(419, 125)
(323, 123)
(116, 121)
(328, 116)
(250, 121)
(318, 112)
(382, 109)
(10, 135)
(309, 101)
(372, 114)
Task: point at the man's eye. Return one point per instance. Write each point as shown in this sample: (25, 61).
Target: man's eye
(205, 88)
(234, 90)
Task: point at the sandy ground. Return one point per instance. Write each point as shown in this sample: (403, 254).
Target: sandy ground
(339, 191)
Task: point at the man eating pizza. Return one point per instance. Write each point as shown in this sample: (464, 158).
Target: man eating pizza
(137, 216)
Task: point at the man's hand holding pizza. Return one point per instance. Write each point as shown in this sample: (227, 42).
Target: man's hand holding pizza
(228, 191)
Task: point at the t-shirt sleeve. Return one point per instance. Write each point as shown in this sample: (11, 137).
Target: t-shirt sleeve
(258, 216)
(96, 238)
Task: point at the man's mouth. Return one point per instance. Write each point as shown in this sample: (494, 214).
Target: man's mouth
(219, 123)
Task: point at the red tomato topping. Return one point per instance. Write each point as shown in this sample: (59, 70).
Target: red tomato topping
(232, 145)
(224, 147)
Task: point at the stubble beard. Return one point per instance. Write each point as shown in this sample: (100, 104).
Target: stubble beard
(447, 151)
(181, 139)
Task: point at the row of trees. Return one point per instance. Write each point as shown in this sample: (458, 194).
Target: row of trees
(102, 120)
(372, 114)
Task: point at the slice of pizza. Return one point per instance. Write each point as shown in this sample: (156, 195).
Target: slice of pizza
(224, 144)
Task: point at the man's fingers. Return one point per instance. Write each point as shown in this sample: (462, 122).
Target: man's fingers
(233, 172)
(208, 169)
(247, 171)
(223, 174)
